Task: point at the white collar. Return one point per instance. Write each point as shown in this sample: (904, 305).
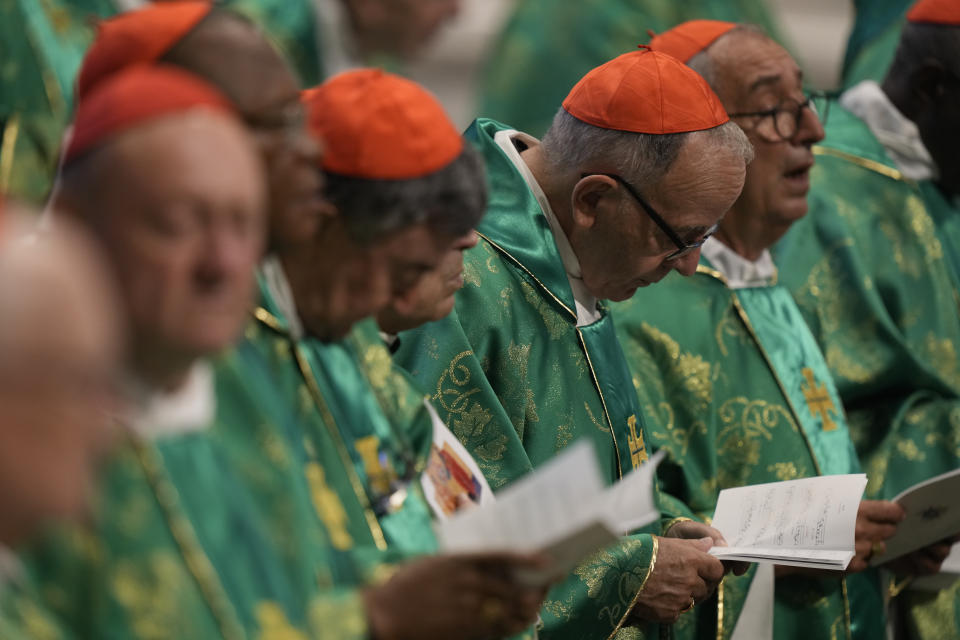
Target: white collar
(898, 135)
(189, 409)
(585, 301)
(740, 272)
(279, 288)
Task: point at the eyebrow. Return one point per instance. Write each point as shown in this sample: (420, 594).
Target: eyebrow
(771, 79)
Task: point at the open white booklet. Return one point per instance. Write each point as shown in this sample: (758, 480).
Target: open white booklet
(933, 513)
(809, 522)
(561, 509)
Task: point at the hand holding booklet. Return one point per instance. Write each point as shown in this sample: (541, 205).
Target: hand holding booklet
(809, 522)
(933, 513)
(562, 509)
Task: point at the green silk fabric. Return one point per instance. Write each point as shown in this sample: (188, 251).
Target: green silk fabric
(871, 275)
(721, 376)
(873, 39)
(23, 616)
(548, 45)
(516, 381)
(42, 43)
(872, 267)
(207, 534)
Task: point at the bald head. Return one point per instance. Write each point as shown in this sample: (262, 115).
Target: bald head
(179, 206)
(59, 352)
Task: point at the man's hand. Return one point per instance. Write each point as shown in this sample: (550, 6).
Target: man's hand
(877, 521)
(456, 596)
(922, 562)
(683, 575)
(693, 530)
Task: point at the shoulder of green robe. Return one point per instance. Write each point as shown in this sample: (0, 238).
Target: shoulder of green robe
(848, 138)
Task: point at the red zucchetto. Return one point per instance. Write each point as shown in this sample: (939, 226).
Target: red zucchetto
(690, 38)
(645, 92)
(136, 37)
(377, 125)
(135, 96)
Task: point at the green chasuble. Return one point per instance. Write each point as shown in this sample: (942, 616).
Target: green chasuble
(548, 45)
(41, 46)
(202, 534)
(42, 43)
(735, 389)
(23, 615)
(873, 273)
(516, 380)
(873, 280)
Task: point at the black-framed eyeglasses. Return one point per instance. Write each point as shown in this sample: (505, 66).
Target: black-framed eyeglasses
(683, 247)
(785, 117)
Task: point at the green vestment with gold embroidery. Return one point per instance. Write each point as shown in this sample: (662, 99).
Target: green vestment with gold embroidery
(362, 437)
(23, 615)
(735, 389)
(870, 271)
(202, 534)
(516, 381)
(548, 45)
(42, 43)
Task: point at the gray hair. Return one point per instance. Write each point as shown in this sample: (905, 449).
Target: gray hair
(572, 146)
(451, 200)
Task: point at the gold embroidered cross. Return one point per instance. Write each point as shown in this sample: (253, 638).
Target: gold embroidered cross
(638, 450)
(818, 400)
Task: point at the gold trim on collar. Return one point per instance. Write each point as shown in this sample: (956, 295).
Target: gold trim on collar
(713, 273)
(529, 273)
(269, 319)
(866, 163)
(10, 134)
(643, 583)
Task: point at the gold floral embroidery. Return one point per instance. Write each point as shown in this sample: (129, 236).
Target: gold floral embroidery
(274, 625)
(784, 470)
(557, 326)
(328, 506)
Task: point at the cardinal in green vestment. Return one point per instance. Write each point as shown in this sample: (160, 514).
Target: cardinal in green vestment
(528, 361)
(874, 269)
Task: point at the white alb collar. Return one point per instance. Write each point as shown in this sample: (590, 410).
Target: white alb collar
(585, 301)
(189, 409)
(11, 569)
(898, 135)
(740, 272)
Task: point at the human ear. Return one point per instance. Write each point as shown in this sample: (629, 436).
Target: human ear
(592, 195)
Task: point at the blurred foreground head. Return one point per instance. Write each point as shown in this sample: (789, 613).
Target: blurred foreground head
(232, 54)
(59, 356)
(165, 175)
(407, 193)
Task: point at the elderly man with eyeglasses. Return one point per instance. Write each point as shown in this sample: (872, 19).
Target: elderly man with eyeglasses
(528, 361)
(727, 368)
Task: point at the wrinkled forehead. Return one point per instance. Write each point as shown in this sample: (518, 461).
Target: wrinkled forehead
(750, 63)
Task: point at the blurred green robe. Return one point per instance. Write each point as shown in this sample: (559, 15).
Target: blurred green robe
(23, 615)
(548, 45)
(870, 271)
(42, 43)
(516, 380)
(735, 389)
(202, 534)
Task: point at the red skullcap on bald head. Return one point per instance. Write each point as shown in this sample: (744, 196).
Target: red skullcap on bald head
(645, 92)
(142, 36)
(136, 96)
